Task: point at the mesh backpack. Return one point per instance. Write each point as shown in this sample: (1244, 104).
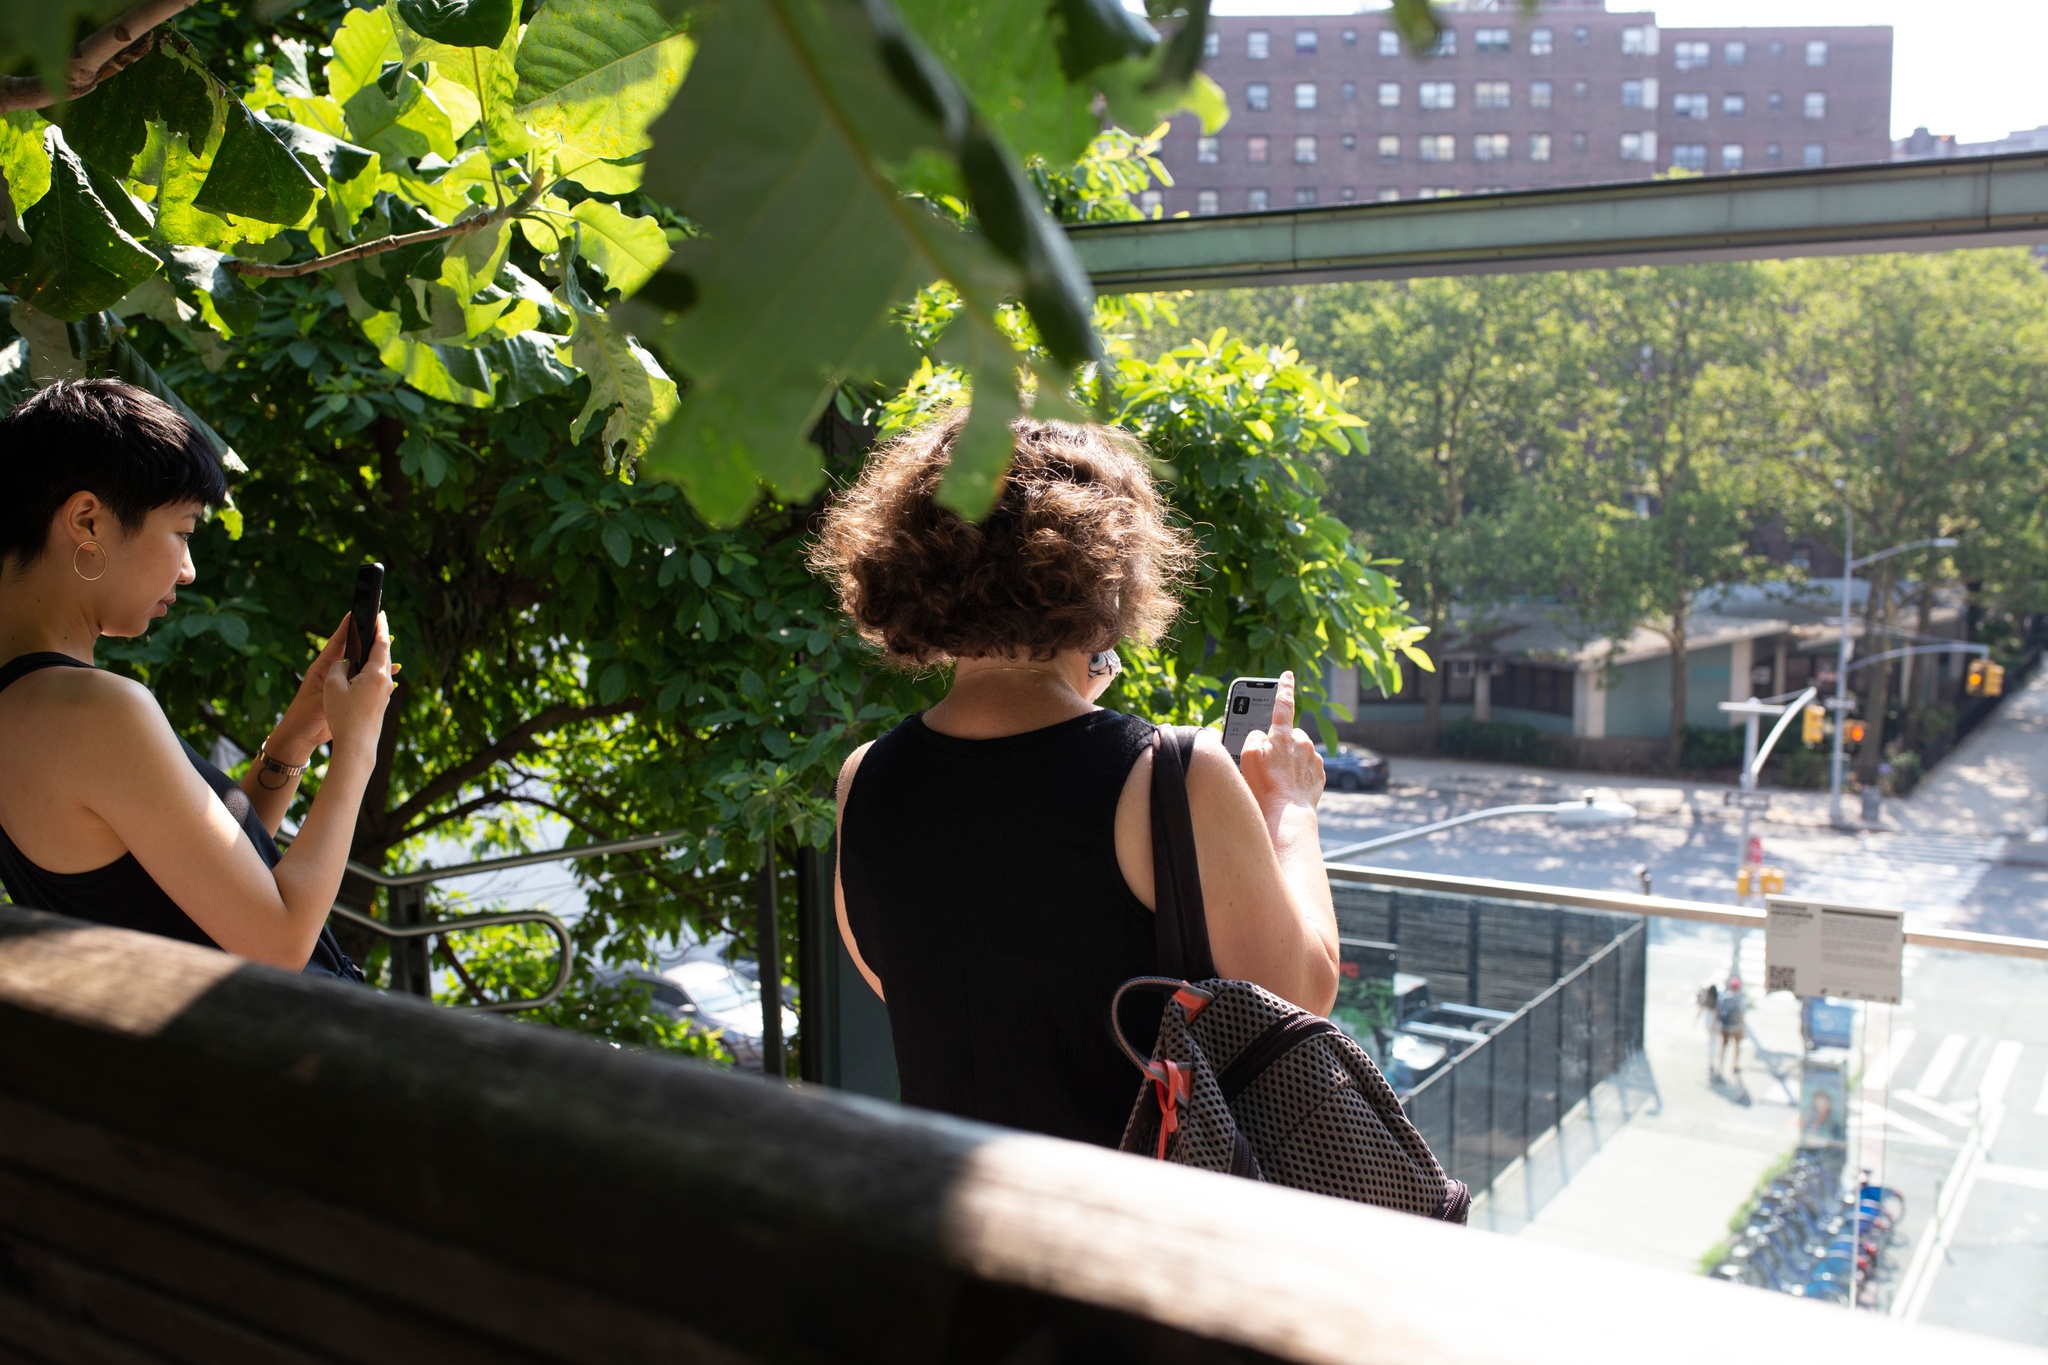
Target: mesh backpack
(1240, 1081)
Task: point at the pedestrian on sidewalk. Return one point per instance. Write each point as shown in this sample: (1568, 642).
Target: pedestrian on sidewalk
(1729, 1012)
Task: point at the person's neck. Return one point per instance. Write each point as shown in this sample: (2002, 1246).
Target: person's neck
(36, 618)
(997, 696)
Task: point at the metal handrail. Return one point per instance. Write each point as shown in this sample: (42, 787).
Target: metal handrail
(1667, 907)
(430, 873)
(565, 959)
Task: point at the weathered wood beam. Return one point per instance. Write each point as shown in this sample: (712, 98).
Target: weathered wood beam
(1837, 210)
(198, 1154)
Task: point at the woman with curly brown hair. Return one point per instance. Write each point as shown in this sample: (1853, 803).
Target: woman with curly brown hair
(995, 852)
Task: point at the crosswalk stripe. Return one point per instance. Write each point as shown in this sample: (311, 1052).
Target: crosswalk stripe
(2041, 1105)
(1894, 1054)
(1998, 1074)
(1942, 1065)
(2026, 1177)
(1934, 1107)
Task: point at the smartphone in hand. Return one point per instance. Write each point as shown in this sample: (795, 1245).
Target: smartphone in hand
(1247, 707)
(362, 615)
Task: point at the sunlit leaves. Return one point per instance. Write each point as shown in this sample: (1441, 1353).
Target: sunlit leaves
(460, 23)
(628, 250)
(254, 175)
(592, 75)
(77, 260)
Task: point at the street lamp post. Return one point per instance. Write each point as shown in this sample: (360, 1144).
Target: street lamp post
(1583, 813)
(1841, 704)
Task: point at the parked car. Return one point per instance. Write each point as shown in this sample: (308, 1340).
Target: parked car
(1353, 768)
(718, 997)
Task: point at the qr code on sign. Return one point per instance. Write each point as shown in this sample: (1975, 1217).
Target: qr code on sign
(1781, 979)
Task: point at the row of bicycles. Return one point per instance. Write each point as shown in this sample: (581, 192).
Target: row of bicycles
(1809, 1237)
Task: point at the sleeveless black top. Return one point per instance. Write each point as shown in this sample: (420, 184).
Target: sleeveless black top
(982, 887)
(121, 894)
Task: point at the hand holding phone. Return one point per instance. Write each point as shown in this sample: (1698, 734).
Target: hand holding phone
(362, 615)
(1248, 706)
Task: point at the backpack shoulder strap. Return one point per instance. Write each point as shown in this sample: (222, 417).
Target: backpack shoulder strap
(1181, 923)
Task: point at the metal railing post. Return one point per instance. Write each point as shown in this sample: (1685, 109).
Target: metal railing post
(768, 932)
(411, 973)
(817, 971)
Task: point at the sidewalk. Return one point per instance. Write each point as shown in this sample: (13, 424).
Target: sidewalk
(1994, 785)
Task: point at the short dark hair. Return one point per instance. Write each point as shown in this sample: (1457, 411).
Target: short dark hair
(124, 445)
(1077, 553)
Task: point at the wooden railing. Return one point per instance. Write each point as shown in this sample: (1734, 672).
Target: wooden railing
(202, 1160)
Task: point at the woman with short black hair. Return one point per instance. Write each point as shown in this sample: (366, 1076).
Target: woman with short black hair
(995, 880)
(105, 814)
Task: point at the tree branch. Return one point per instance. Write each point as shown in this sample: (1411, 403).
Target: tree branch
(378, 246)
(517, 741)
(98, 57)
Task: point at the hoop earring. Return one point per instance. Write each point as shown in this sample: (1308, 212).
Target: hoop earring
(103, 563)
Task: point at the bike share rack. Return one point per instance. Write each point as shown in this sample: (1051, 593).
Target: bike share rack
(410, 931)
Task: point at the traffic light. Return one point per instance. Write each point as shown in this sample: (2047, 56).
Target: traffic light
(1994, 680)
(1853, 732)
(1812, 725)
(1973, 682)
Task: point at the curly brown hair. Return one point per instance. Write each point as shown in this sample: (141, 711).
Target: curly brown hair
(1076, 554)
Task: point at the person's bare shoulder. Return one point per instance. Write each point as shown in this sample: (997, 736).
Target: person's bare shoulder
(81, 703)
(848, 769)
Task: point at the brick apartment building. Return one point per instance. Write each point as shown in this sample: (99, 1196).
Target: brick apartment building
(1328, 109)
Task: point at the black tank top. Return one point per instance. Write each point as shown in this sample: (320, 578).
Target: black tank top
(982, 887)
(121, 894)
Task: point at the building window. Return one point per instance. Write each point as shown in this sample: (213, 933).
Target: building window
(1435, 192)
(1734, 54)
(1256, 200)
(1494, 40)
(1639, 42)
(1491, 95)
(1305, 150)
(1580, 89)
(1772, 154)
(1490, 147)
(1390, 94)
(1258, 97)
(1255, 148)
(1350, 91)
(1347, 194)
(1212, 46)
(1638, 146)
(1438, 94)
(1816, 104)
(1446, 44)
(1390, 146)
(1351, 37)
(1388, 196)
(1304, 94)
(1150, 203)
(1691, 56)
(1731, 156)
(1541, 41)
(1777, 48)
(1733, 106)
(1640, 94)
(1305, 197)
(1539, 146)
(1350, 141)
(1578, 142)
(1817, 52)
(1208, 201)
(1535, 687)
(1437, 147)
(1816, 154)
(1581, 34)
(1258, 44)
(1775, 100)
(1390, 43)
(1539, 94)
(1208, 150)
(1305, 42)
(1689, 156)
(1689, 105)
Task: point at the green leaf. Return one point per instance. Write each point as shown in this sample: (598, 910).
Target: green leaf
(628, 250)
(254, 175)
(24, 169)
(321, 153)
(452, 374)
(196, 272)
(1095, 33)
(133, 217)
(594, 73)
(526, 366)
(624, 379)
(480, 78)
(363, 43)
(459, 23)
(77, 260)
(109, 127)
(618, 543)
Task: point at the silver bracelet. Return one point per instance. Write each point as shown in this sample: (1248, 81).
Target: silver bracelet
(287, 771)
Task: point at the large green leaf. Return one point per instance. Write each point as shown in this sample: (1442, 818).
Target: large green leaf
(198, 276)
(77, 260)
(459, 23)
(625, 380)
(110, 126)
(593, 74)
(627, 249)
(479, 78)
(778, 146)
(254, 175)
(322, 154)
(526, 366)
(24, 170)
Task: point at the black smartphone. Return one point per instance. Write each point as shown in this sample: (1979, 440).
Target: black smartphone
(1249, 707)
(362, 615)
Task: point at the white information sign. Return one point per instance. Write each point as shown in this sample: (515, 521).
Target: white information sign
(1852, 952)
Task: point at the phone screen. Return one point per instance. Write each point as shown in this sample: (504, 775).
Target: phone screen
(1248, 707)
(362, 615)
